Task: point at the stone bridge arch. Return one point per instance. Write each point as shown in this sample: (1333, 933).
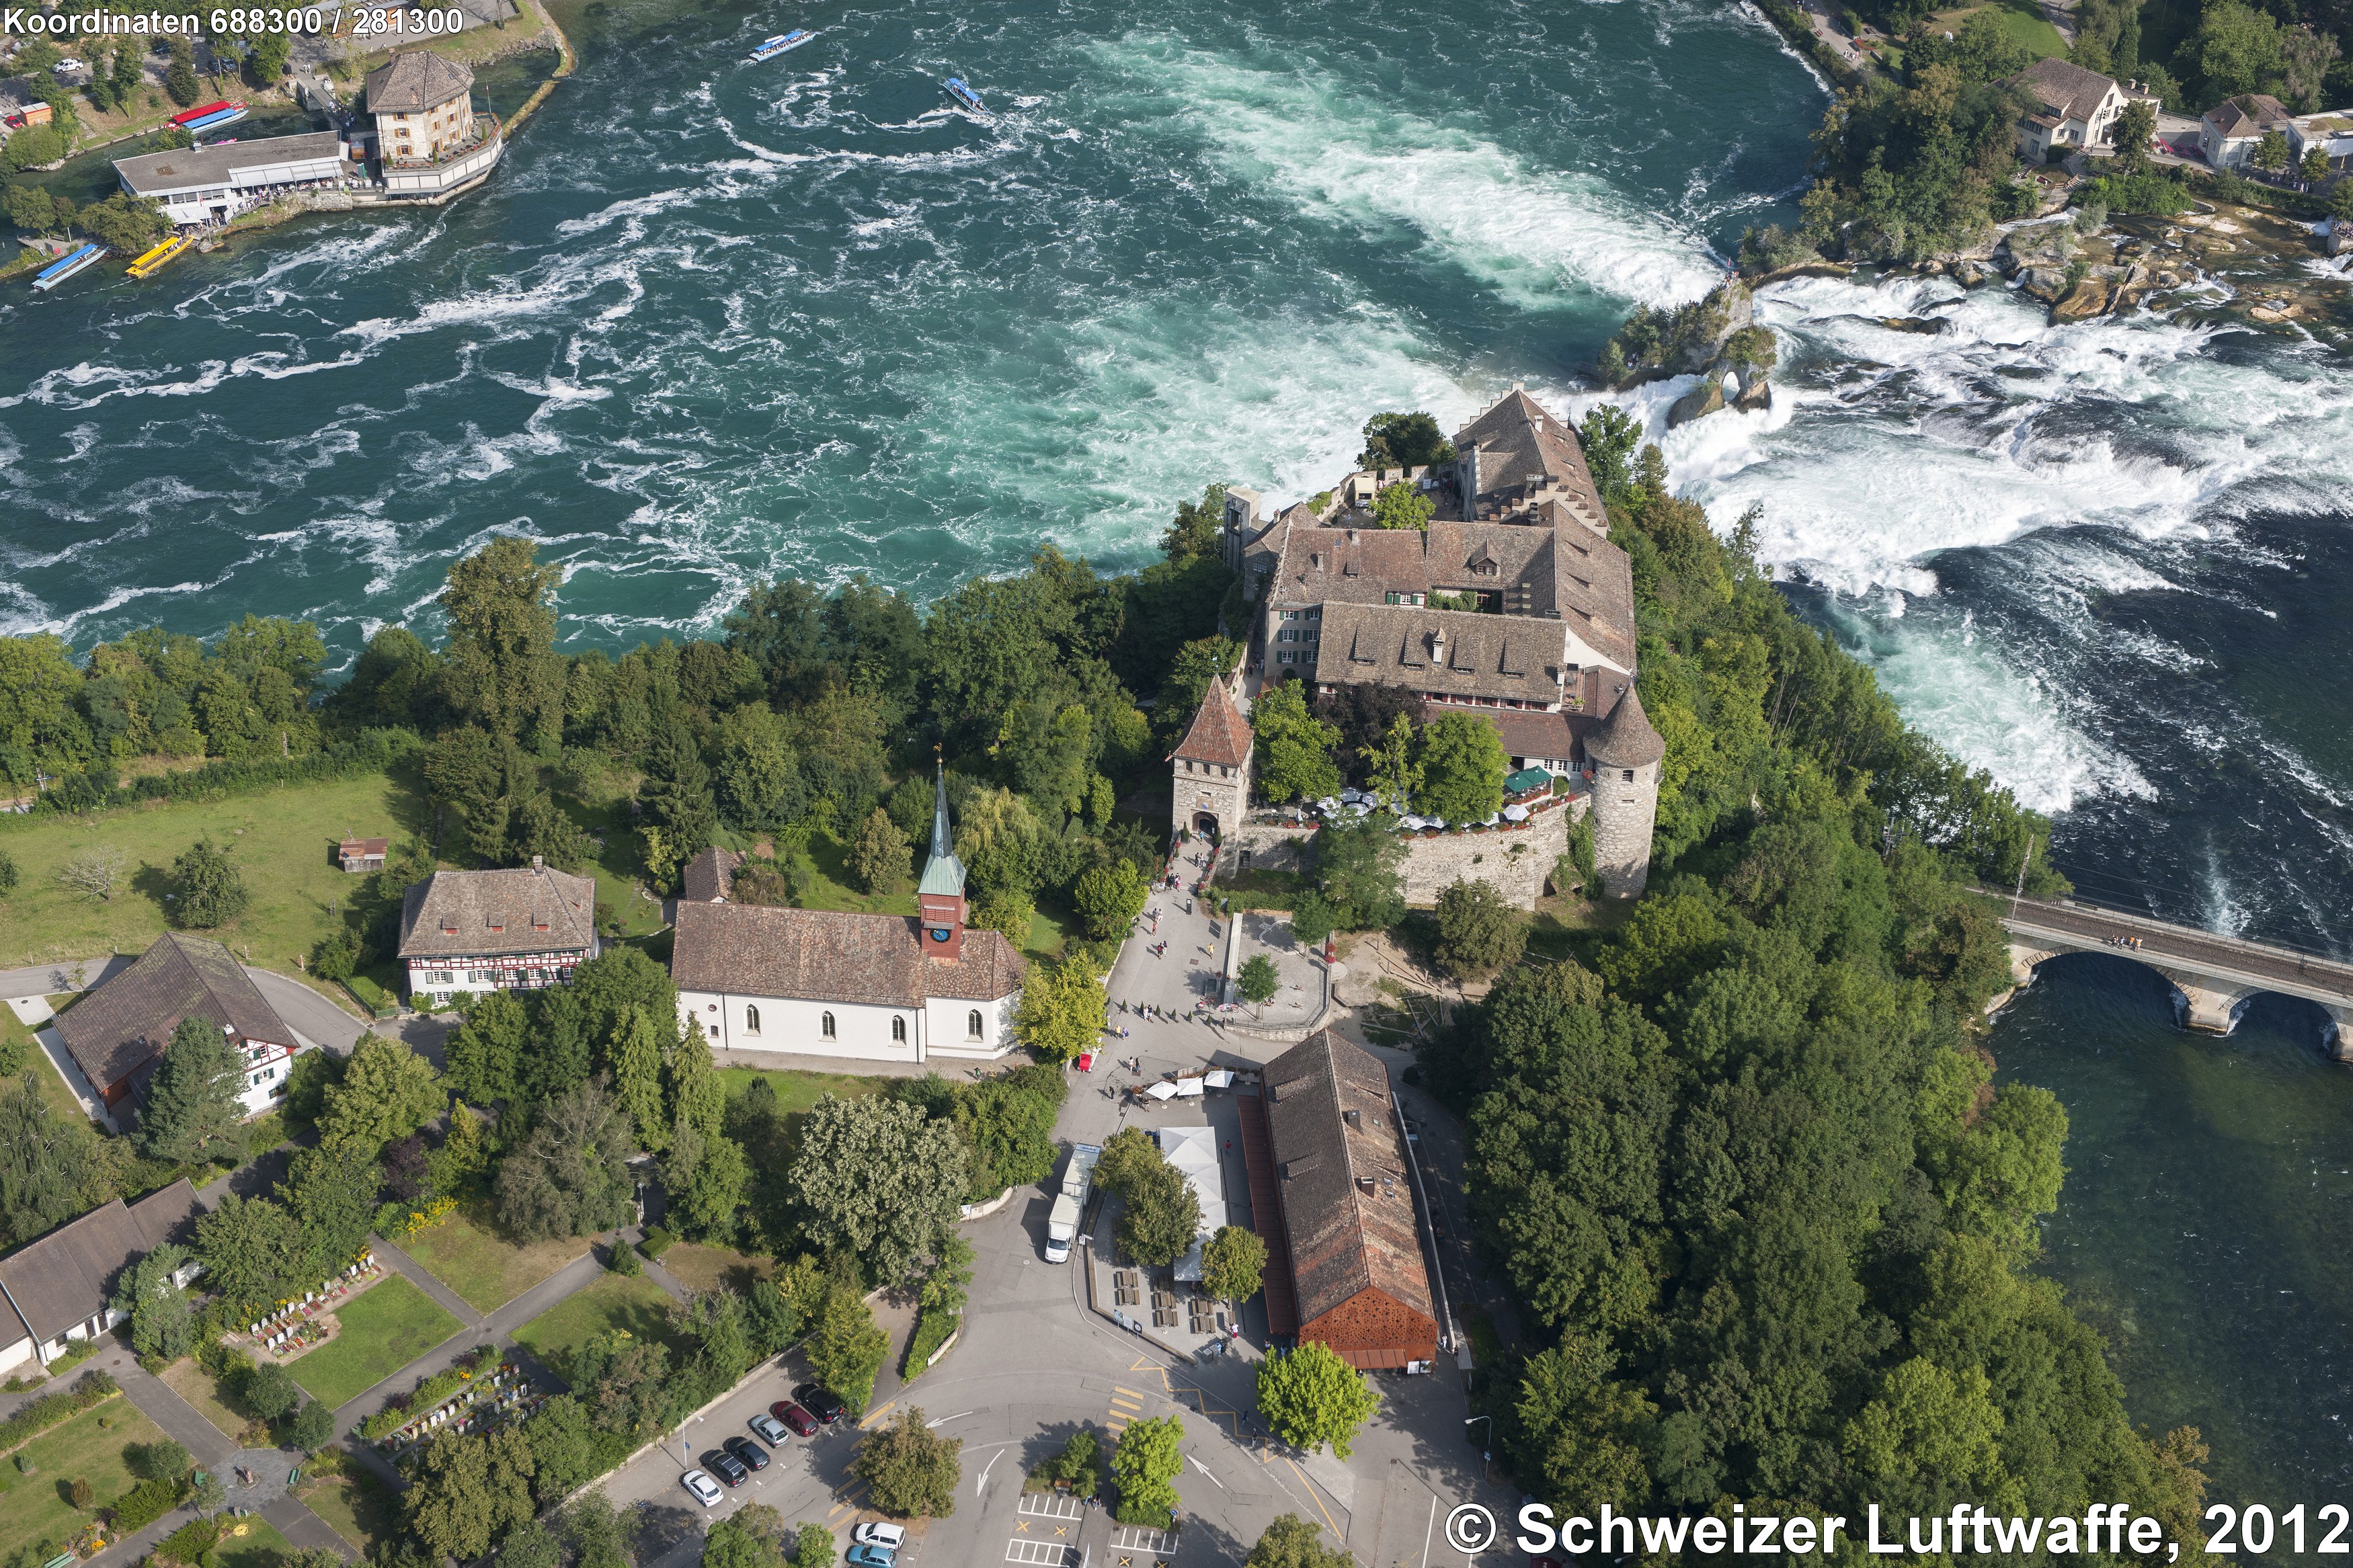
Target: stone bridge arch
(2207, 1002)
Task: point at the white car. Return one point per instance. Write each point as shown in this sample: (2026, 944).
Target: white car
(706, 1490)
(889, 1537)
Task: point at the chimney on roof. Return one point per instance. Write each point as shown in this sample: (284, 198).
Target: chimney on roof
(1365, 1186)
(537, 864)
(1355, 1119)
(1352, 536)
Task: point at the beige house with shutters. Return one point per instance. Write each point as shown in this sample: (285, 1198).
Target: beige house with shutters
(430, 141)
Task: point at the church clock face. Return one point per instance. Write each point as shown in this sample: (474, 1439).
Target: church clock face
(939, 933)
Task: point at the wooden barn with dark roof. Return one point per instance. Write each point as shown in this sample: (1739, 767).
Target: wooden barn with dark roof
(118, 1033)
(1350, 1245)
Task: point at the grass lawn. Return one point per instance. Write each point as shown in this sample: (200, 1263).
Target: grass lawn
(259, 1547)
(21, 1053)
(2021, 20)
(355, 1506)
(385, 1328)
(280, 840)
(466, 1257)
(208, 1394)
(616, 1301)
(797, 1091)
(35, 1509)
(835, 888)
(707, 1267)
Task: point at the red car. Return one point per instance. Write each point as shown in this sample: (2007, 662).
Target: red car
(801, 1423)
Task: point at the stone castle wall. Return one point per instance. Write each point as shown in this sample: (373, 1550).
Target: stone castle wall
(1517, 862)
(1624, 813)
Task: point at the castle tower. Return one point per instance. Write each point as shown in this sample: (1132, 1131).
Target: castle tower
(1625, 753)
(939, 897)
(1210, 769)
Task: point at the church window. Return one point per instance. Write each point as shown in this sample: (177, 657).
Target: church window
(825, 1025)
(899, 1030)
(751, 1020)
(972, 1029)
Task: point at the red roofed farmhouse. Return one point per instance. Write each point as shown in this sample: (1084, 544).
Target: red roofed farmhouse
(826, 983)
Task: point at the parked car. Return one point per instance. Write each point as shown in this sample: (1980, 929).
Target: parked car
(726, 1466)
(871, 1557)
(754, 1456)
(706, 1490)
(772, 1431)
(794, 1416)
(874, 1532)
(820, 1403)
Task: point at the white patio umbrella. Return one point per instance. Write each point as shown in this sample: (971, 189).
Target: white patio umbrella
(1515, 814)
(1162, 1090)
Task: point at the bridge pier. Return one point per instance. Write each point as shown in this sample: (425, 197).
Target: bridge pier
(2199, 1003)
(2339, 1033)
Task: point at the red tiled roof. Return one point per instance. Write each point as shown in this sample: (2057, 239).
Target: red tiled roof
(830, 955)
(1219, 733)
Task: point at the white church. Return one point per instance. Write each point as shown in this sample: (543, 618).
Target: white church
(824, 982)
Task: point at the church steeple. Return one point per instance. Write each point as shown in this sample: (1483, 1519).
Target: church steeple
(940, 894)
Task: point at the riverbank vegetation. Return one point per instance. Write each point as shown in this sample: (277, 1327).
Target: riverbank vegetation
(1769, 1223)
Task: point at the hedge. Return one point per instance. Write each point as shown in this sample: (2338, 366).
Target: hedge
(371, 752)
(145, 1503)
(37, 1416)
(932, 1328)
(196, 1536)
(428, 1393)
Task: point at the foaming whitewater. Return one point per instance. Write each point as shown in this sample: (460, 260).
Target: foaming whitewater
(2075, 555)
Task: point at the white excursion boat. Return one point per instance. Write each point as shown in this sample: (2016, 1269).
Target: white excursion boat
(782, 44)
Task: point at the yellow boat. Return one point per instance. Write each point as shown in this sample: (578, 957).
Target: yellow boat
(153, 261)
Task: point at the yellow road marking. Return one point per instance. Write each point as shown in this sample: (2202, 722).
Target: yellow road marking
(1314, 1497)
(1127, 1391)
(1021, 1526)
(877, 1415)
(1061, 1529)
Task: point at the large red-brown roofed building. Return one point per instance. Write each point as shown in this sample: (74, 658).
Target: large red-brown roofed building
(1351, 1239)
(118, 1033)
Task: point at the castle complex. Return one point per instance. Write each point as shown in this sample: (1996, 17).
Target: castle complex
(1512, 605)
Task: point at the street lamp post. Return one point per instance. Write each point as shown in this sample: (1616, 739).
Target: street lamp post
(1484, 1453)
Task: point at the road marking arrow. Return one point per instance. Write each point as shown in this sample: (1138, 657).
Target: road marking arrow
(1205, 1470)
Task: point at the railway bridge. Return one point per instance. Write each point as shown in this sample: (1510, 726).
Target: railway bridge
(2212, 976)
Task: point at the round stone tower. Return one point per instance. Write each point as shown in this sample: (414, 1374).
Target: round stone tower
(1625, 753)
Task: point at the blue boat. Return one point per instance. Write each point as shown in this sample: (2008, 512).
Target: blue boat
(782, 43)
(961, 90)
(216, 119)
(57, 271)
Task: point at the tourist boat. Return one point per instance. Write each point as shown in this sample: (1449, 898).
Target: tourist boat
(57, 272)
(152, 261)
(782, 43)
(961, 90)
(211, 116)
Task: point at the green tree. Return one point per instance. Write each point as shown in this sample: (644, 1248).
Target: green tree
(499, 666)
(1359, 870)
(1000, 842)
(2272, 153)
(1258, 980)
(2136, 128)
(1293, 748)
(471, 1488)
(162, 1460)
(1311, 1397)
(1234, 1264)
(750, 1537)
(1008, 1132)
(270, 1391)
(1584, 1434)
(569, 1177)
(2340, 202)
(598, 1534)
(1109, 898)
(676, 794)
(1197, 531)
(1478, 932)
(162, 1324)
(30, 209)
(2315, 167)
(250, 1247)
(1198, 663)
(1160, 1213)
(52, 1167)
(180, 76)
(491, 1039)
(848, 1348)
(878, 1180)
(638, 1076)
(1061, 1013)
(192, 1106)
(1403, 506)
(1291, 1541)
(2235, 50)
(880, 857)
(312, 1428)
(271, 51)
(1463, 768)
(207, 891)
(1404, 441)
(563, 1449)
(1610, 436)
(387, 1092)
(332, 1193)
(909, 1469)
(697, 1097)
(1142, 1467)
(705, 1176)
(1009, 914)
